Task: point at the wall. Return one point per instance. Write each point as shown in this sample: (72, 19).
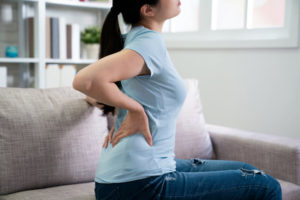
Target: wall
(251, 89)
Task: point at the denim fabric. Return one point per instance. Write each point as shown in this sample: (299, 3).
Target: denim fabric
(198, 179)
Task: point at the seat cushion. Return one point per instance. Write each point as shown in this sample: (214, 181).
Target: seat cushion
(48, 137)
(82, 191)
(85, 191)
(290, 191)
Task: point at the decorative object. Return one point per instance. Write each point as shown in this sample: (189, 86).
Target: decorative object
(91, 37)
(11, 51)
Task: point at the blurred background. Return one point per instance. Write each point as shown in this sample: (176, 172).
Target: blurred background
(244, 53)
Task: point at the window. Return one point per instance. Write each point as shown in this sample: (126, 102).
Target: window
(234, 23)
(266, 13)
(188, 20)
(228, 14)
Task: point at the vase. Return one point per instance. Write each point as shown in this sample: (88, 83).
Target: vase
(92, 51)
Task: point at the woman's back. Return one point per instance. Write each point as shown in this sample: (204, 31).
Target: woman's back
(162, 94)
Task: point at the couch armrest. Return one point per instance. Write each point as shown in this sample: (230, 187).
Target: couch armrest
(276, 155)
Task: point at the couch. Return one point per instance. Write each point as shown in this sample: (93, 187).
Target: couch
(51, 139)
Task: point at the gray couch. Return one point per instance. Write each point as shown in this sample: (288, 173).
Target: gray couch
(51, 139)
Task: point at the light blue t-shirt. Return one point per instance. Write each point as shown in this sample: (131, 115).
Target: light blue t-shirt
(162, 95)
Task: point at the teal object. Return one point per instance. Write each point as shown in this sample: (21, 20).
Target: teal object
(11, 51)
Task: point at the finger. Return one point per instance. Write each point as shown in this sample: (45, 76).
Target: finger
(105, 142)
(117, 138)
(148, 138)
(110, 135)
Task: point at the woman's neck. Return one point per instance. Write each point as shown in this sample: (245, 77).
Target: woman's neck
(155, 26)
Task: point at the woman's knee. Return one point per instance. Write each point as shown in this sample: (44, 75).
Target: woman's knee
(275, 187)
(248, 166)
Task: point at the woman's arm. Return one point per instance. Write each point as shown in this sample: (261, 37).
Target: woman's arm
(97, 79)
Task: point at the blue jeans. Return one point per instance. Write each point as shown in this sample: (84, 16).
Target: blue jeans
(198, 179)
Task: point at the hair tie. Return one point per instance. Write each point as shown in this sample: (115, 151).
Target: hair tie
(116, 8)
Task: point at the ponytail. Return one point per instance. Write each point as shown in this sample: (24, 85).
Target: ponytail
(111, 41)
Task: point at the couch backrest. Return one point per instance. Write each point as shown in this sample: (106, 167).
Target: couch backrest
(48, 137)
(51, 137)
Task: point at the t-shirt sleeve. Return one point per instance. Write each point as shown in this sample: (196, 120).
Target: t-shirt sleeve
(149, 45)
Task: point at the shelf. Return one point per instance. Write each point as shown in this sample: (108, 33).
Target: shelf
(84, 13)
(95, 5)
(69, 61)
(19, 60)
(98, 5)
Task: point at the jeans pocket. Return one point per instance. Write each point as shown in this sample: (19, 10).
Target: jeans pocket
(107, 193)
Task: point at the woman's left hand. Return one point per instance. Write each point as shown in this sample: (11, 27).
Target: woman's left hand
(134, 122)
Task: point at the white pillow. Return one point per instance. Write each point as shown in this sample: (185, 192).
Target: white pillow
(192, 139)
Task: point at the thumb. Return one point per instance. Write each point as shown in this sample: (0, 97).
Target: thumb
(148, 138)
(110, 134)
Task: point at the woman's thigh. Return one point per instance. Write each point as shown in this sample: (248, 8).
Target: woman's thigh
(128, 190)
(222, 185)
(202, 165)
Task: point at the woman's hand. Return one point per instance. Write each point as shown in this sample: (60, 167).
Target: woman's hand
(134, 122)
(93, 102)
(108, 137)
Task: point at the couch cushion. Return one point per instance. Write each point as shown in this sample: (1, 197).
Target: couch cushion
(290, 191)
(85, 191)
(82, 191)
(48, 137)
(192, 138)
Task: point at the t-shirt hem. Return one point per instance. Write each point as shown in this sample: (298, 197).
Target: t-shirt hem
(98, 180)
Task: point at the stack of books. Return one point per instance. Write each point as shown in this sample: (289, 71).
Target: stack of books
(62, 39)
(59, 75)
(3, 76)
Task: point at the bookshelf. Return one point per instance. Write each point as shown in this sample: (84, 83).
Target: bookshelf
(26, 71)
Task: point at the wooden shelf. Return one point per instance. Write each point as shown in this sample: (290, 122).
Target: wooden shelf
(19, 60)
(95, 11)
(98, 5)
(69, 61)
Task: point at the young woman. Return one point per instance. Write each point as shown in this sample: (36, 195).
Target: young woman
(135, 75)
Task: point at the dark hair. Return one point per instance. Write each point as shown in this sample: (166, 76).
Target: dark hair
(111, 40)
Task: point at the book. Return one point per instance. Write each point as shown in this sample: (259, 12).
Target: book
(52, 78)
(3, 76)
(59, 75)
(67, 75)
(62, 38)
(29, 37)
(75, 42)
(48, 37)
(69, 40)
(54, 37)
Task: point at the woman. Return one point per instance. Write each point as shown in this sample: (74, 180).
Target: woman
(135, 75)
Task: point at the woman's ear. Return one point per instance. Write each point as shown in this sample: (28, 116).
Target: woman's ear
(147, 11)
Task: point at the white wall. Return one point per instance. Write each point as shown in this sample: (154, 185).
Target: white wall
(251, 89)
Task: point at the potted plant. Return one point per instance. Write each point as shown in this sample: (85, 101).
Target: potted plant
(91, 37)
